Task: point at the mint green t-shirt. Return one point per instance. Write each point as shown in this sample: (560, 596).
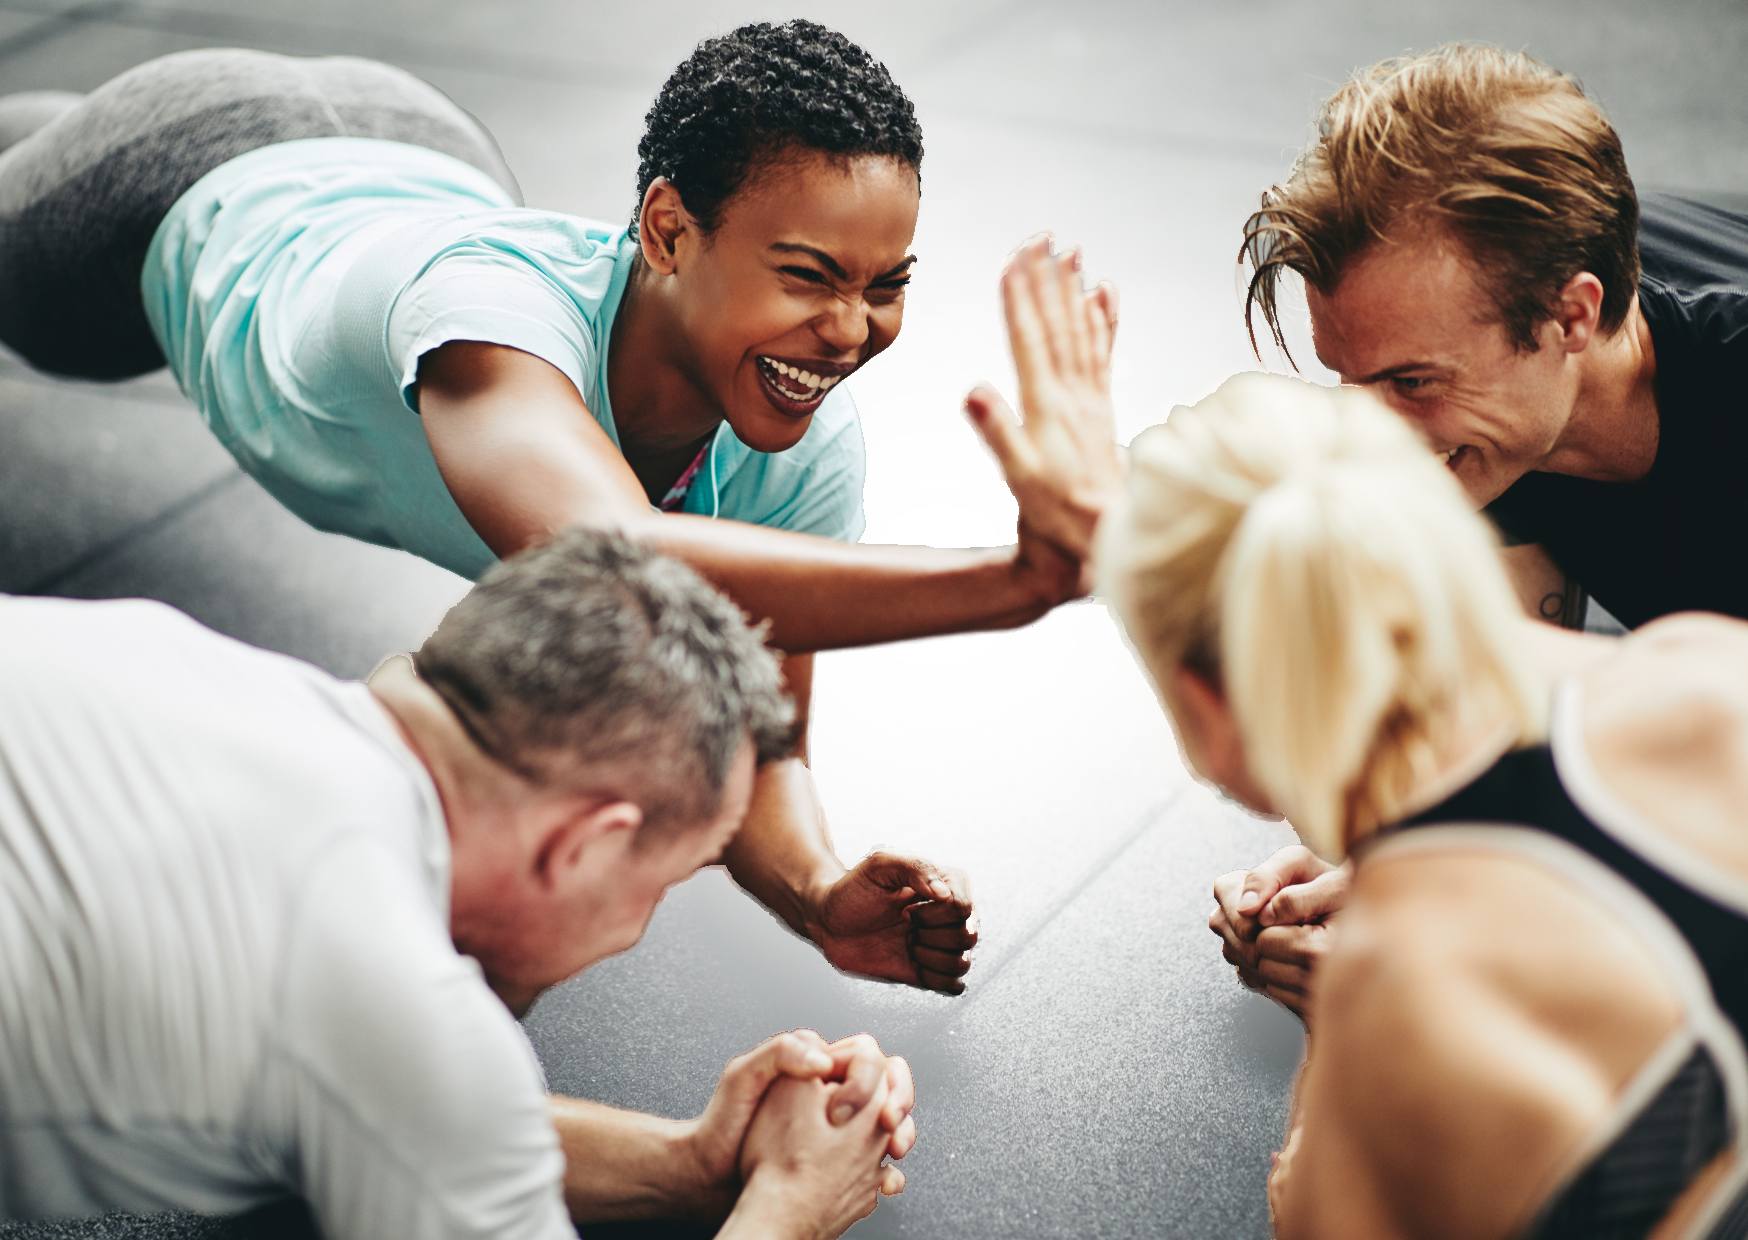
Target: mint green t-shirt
(294, 289)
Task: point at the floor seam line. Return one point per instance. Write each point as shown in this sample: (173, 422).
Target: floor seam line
(53, 25)
(1094, 872)
(46, 382)
(143, 529)
(390, 47)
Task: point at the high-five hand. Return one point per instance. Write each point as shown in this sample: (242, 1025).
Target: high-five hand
(1062, 461)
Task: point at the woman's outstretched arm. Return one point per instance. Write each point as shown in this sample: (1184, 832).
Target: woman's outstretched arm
(524, 458)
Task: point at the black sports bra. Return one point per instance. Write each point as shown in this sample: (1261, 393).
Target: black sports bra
(1525, 789)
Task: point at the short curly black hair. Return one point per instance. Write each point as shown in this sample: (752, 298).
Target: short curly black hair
(744, 97)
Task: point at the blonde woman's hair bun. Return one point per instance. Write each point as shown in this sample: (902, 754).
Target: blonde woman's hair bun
(1302, 549)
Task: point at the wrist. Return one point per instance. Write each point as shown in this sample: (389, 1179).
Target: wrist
(1037, 580)
(812, 899)
(700, 1189)
(1033, 593)
(769, 1210)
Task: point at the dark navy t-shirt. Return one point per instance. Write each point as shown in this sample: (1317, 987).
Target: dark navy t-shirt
(1671, 541)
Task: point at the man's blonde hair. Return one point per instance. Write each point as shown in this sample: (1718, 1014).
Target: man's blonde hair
(1494, 148)
(1302, 551)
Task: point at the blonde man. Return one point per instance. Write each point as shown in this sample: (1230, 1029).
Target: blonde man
(1474, 251)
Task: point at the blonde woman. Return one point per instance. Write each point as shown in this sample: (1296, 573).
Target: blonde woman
(1532, 1020)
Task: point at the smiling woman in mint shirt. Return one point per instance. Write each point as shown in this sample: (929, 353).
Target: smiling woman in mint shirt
(336, 265)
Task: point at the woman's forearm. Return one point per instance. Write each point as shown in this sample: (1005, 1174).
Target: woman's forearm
(819, 594)
(523, 459)
(783, 854)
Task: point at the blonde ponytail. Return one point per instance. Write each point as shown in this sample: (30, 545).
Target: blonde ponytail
(1299, 547)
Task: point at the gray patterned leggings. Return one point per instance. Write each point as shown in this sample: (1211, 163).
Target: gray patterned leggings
(86, 179)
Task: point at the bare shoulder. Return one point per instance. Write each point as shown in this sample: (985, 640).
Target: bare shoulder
(1693, 626)
(1665, 722)
(1692, 660)
(1455, 1034)
(1436, 938)
(1501, 926)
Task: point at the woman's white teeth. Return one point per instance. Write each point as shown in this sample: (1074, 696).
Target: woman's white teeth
(1450, 455)
(806, 378)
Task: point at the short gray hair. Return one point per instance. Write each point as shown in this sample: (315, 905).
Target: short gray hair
(591, 656)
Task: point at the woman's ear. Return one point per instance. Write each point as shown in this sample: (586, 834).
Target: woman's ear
(597, 833)
(1212, 744)
(1205, 727)
(662, 224)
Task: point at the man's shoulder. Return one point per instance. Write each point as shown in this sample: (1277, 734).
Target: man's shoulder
(410, 1088)
(374, 1000)
(367, 931)
(144, 669)
(1693, 253)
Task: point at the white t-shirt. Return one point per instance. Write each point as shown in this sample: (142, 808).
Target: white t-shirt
(225, 967)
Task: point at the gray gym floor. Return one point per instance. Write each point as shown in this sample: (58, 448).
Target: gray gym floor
(1104, 1075)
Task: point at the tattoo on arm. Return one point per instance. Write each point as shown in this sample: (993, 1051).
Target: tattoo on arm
(1565, 606)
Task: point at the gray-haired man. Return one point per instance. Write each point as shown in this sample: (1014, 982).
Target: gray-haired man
(253, 917)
